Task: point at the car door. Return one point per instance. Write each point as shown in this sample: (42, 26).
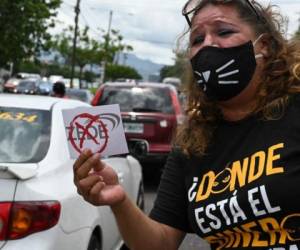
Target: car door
(111, 232)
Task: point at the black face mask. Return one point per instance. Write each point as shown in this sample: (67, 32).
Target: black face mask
(223, 73)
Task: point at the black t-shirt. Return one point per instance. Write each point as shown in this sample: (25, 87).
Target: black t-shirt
(245, 192)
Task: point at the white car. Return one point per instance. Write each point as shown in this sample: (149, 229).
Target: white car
(39, 205)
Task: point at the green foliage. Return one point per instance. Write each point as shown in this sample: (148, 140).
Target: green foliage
(114, 72)
(112, 45)
(23, 28)
(89, 76)
(93, 90)
(90, 51)
(55, 69)
(168, 71)
(176, 70)
(45, 70)
(30, 67)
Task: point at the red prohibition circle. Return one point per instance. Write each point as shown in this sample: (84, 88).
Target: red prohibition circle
(92, 119)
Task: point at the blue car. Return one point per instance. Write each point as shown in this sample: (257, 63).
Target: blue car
(44, 88)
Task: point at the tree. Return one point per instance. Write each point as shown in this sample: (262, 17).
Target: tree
(24, 28)
(113, 72)
(113, 44)
(63, 44)
(86, 51)
(176, 70)
(90, 51)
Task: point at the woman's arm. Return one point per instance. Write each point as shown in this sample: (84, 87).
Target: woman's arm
(141, 232)
(98, 184)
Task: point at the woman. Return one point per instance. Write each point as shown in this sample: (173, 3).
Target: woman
(233, 175)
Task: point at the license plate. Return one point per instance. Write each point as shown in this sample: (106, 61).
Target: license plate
(137, 128)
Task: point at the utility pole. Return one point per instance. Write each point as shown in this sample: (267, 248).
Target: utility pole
(77, 11)
(106, 45)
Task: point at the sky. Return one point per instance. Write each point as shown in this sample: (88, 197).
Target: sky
(151, 27)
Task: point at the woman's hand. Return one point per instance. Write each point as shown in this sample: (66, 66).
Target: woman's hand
(97, 182)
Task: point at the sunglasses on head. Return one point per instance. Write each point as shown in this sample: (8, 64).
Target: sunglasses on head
(193, 5)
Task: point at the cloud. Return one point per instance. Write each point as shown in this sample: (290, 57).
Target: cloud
(151, 27)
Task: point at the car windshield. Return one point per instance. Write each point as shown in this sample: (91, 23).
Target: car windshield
(78, 95)
(45, 85)
(139, 99)
(24, 135)
(26, 84)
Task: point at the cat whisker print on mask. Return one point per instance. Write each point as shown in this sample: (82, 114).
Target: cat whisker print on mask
(205, 76)
(234, 72)
(227, 73)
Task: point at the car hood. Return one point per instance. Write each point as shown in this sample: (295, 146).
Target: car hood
(17, 170)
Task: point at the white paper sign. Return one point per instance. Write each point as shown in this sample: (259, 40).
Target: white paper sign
(98, 128)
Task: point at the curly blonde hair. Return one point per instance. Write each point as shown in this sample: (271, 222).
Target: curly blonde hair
(280, 79)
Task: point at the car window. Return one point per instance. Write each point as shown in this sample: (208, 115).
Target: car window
(27, 84)
(24, 135)
(45, 85)
(139, 99)
(78, 95)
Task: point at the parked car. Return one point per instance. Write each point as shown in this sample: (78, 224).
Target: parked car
(150, 111)
(11, 84)
(175, 81)
(24, 75)
(44, 88)
(80, 94)
(39, 205)
(28, 86)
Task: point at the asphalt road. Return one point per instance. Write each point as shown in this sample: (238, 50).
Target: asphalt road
(191, 242)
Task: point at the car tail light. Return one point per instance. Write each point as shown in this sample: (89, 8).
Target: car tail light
(178, 110)
(19, 219)
(176, 103)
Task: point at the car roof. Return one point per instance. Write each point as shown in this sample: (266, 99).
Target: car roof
(30, 79)
(140, 84)
(30, 101)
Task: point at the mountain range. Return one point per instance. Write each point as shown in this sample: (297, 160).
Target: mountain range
(149, 70)
(146, 68)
